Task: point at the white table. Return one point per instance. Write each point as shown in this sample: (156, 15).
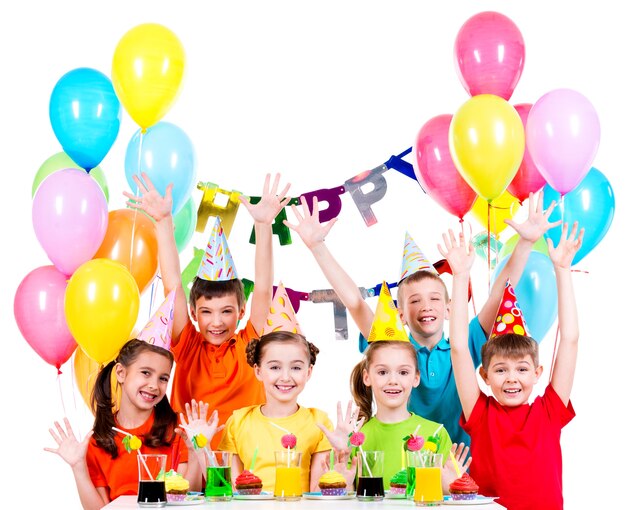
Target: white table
(130, 503)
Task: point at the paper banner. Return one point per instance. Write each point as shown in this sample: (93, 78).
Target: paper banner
(209, 207)
(364, 201)
(339, 310)
(332, 197)
(278, 227)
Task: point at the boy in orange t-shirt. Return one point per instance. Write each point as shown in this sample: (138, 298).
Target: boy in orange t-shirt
(211, 362)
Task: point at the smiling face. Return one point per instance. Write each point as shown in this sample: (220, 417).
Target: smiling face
(217, 317)
(511, 379)
(144, 382)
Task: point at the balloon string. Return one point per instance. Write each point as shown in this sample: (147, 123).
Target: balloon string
(489, 247)
(132, 234)
(61, 394)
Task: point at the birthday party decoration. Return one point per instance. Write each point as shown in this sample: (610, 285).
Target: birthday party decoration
(413, 259)
(509, 318)
(185, 224)
(386, 324)
(492, 215)
(217, 262)
(282, 316)
(209, 207)
(363, 200)
(158, 330)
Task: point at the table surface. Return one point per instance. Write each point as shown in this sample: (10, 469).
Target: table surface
(130, 502)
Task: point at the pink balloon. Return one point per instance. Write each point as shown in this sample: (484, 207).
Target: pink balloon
(40, 315)
(436, 171)
(528, 179)
(70, 218)
(489, 54)
(562, 136)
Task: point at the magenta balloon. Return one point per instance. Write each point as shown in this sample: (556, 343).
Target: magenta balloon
(528, 179)
(489, 55)
(40, 315)
(436, 171)
(562, 136)
(70, 218)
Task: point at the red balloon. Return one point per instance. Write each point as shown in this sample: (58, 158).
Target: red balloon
(436, 171)
(527, 179)
(489, 55)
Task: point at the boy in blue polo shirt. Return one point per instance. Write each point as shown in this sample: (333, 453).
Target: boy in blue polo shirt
(423, 304)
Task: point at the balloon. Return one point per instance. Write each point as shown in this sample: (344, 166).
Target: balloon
(507, 248)
(489, 55)
(563, 134)
(527, 178)
(85, 373)
(591, 203)
(435, 169)
(85, 115)
(101, 307)
(148, 66)
(69, 218)
(502, 208)
(167, 156)
(130, 239)
(185, 224)
(487, 144)
(40, 317)
(536, 293)
(60, 161)
(487, 247)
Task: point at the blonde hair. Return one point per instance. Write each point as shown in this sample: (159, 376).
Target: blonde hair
(416, 277)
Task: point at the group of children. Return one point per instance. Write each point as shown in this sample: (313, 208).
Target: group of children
(252, 378)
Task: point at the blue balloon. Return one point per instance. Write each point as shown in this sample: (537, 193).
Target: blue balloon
(536, 293)
(591, 203)
(165, 153)
(85, 115)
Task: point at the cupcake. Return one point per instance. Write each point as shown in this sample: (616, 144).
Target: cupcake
(397, 485)
(463, 488)
(248, 483)
(332, 483)
(176, 486)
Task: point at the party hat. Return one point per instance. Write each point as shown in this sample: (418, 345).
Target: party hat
(217, 263)
(413, 259)
(158, 331)
(387, 324)
(510, 318)
(282, 316)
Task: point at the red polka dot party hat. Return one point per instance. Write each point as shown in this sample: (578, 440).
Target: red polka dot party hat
(509, 318)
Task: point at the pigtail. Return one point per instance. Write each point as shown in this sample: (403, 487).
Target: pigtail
(102, 404)
(252, 352)
(313, 352)
(361, 393)
(162, 431)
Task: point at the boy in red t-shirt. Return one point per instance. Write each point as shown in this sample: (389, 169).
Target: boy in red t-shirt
(211, 362)
(516, 447)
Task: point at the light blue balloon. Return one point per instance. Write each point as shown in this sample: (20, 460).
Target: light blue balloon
(165, 153)
(536, 293)
(591, 203)
(85, 115)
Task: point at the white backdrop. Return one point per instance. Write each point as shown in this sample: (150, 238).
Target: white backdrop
(319, 91)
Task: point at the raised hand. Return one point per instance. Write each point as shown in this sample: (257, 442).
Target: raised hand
(309, 228)
(346, 425)
(537, 222)
(149, 199)
(196, 422)
(463, 460)
(270, 204)
(563, 255)
(70, 449)
(342, 466)
(459, 255)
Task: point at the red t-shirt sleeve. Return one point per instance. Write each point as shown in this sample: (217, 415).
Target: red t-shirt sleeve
(559, 412)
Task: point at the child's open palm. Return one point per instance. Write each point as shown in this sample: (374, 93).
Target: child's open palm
(346, 425)
(537, 222)
(563, 255)
(149, 200)
(196, 422)
(70, 449)
(459, 255)
(309, 228)
(463, 460)
(270, 204)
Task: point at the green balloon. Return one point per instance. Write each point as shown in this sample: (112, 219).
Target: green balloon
(507, 248)
(185, 222)
(60, 161)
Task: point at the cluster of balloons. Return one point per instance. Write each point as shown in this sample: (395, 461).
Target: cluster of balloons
(490, 155)
(103, 260)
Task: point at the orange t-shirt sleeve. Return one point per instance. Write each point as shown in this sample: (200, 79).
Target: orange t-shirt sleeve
(247, 333)
(95, 472)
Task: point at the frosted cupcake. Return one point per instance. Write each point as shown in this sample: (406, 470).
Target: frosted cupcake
(397, 484)
(248, 484)
(176, 487)
(464, 488)
(332, 483)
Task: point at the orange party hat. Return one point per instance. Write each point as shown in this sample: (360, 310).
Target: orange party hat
(158, 331)
(217, 263)
(387, 324)
(282, 316)
(413, 260)
(509, 318)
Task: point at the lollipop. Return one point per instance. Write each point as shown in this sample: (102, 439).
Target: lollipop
(131, 443)
(288, 441)
(357, 438)
(199, 441)
(413, 443)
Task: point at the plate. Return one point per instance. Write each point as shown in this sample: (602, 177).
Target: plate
(318, 495)
(480, 500)
(263, 495)
(388, 495)
(187, 502)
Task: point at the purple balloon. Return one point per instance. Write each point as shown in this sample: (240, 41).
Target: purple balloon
(40, 314)
(70, 218)
(562, 136)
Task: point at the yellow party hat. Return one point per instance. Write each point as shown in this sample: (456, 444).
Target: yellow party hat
(387, 324)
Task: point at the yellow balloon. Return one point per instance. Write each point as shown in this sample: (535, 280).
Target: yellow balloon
(148, 66)
(85, 374)
(502, 208)
(486, 141)
(101, 307)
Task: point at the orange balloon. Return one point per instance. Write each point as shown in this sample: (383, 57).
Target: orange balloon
(136, 251)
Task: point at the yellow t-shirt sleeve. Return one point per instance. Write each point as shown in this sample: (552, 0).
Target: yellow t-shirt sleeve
(227, 444)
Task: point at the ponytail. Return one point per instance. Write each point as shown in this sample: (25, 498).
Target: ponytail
(361, 393)
(102, 405)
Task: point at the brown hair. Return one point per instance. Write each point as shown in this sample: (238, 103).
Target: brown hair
(416, 277)
(165, 420)
(362, 394)
(256, 347)
(215, 289)
(511, 346)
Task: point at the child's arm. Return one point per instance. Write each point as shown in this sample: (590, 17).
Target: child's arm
(236, 468)
(318, 460)
(160, 209)
(74, 453)
(529, 233)
(463, 461)
(565, 364)
(313, 233)
(461, 257)
(264, 213)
